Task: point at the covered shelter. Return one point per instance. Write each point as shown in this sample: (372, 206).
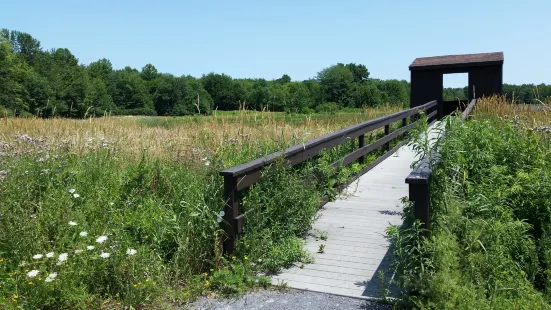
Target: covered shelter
(427, 78)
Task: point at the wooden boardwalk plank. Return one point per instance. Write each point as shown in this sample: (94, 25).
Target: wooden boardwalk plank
(356, 248)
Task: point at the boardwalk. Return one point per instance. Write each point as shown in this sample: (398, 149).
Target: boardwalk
(356, 248)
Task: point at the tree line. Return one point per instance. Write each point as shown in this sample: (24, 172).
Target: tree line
(45, 83)
(524, 93)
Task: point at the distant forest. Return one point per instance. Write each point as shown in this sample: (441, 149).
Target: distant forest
(47, 83)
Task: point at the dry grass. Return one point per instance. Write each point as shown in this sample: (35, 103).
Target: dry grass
(178, 137)
(534, 116)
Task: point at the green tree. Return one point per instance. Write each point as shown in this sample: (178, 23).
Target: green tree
(336, 82)
(284, 79)
(149, 72)
(100, 69)
(359, 72)
(259, 94)
(298, 97)
(226, 94)
(11, 74)
(130, 93)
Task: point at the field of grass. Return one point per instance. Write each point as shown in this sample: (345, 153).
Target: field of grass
(490, 246)
(125, 211)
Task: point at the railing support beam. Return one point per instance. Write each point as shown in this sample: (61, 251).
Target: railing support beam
(231, 212)
(387, 132)
(361, 143)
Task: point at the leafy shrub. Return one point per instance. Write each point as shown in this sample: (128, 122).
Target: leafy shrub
(490, 219)
(329, 107)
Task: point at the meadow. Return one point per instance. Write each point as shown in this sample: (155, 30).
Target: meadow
(115, 212)
(490, 246)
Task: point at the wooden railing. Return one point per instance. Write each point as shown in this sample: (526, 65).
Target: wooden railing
(241, 177)
(419, 180)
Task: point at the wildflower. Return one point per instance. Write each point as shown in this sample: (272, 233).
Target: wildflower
(128, 203)
(51, 277)
(76, 195)
(83, 234)
(62, 258)
(32, 273)
(73, 223)
(90, 247)
(14, 298)
(207, 283)
(246, 258)
(78, 251)
(131, 252)
(1, 260)
(38, 256)
(222, 213)
(219, 220)
(135, 285)
(30, 282)
(207, 163)
(101, 239)
(104, 255)
(50, 255)
(72, 191)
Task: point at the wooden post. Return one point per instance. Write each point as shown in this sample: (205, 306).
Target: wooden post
(419, 193)
(404, 122)
(387, 132)
(361, 143)
(231, 212)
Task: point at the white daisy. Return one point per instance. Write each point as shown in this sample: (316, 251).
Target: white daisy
(76, 195)
(131, 252)
(50, 255)
(104, 255)
(78, 251)
(101, 239)
(83, 234)
(51, 277)
(32, 273)
(72, 191)
(90, 247)
(38, 256)
(73, 223)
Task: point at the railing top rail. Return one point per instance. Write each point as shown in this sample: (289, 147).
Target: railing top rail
(360, 128)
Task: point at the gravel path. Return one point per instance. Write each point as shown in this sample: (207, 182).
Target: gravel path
(287, 300)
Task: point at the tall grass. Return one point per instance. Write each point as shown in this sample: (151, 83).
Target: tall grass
(116, 212)
(490, 216)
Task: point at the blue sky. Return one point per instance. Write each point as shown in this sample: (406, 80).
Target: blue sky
(262, 38)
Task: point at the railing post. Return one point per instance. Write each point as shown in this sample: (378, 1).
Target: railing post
(231, 212)
(419, 193)
(361, 143)
(387, 132)
(404, 122)
(440, 109)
